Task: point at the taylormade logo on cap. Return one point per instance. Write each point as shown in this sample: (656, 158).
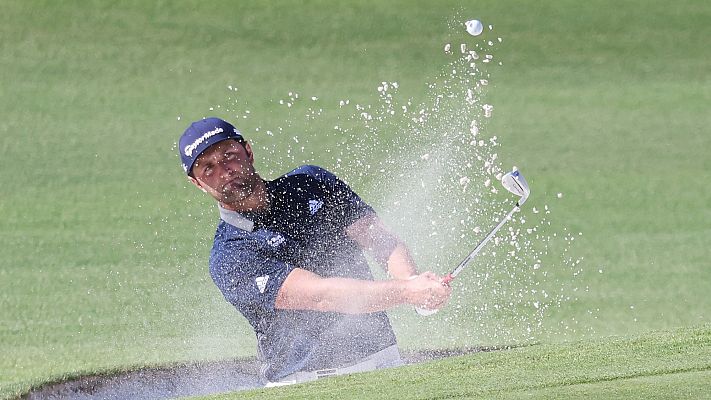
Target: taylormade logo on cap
(194, 145)
(202, 134)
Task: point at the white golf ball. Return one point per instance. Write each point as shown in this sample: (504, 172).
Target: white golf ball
(474, 27)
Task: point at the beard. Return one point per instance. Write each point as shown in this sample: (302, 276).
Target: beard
(240, 188)
(237, 191)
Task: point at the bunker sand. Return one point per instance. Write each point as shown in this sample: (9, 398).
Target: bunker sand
(192, 379)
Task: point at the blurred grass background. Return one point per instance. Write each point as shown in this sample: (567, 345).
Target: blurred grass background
(103, 263)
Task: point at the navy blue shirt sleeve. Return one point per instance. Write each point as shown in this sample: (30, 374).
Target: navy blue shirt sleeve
(248, 274)
(345, 201)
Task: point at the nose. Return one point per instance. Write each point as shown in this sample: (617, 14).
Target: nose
(228, 170)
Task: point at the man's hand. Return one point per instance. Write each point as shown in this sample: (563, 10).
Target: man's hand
(427, 291)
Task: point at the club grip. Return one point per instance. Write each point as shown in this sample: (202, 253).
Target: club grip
(447, 279)
(425, 312)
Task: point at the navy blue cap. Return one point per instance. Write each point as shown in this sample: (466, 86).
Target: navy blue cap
(202, 134)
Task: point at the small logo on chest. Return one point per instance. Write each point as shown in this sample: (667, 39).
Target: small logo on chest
(262, 283)
(276, 240)
(315, 205)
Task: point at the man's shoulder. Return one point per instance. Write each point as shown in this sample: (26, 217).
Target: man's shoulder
(226, 232)
(233, 244)
(237, 255)
(313, 171)
(307, 176)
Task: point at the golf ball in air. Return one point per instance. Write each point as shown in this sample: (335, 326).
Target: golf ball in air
(474, 27)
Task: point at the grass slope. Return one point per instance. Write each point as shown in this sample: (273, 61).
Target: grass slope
(670, 364)
(104, 246)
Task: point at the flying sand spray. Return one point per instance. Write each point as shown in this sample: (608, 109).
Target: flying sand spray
(435, 165)
(515, 183)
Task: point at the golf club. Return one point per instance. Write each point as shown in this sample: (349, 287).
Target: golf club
(515, 183)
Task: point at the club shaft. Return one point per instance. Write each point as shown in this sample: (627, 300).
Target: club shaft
(481, 244)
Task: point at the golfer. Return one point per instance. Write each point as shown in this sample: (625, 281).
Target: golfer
(289, 254)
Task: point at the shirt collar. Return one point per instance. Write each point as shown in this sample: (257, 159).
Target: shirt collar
(236, 219)
(243, 220)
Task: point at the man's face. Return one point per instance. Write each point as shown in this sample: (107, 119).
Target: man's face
(226, 171)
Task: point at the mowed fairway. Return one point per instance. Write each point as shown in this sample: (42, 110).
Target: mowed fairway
(104, 245)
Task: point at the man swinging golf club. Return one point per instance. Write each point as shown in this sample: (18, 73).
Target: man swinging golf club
(289, 255)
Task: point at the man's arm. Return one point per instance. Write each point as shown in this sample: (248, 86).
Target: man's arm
(366, 228)
(304, 290)
(387, 249)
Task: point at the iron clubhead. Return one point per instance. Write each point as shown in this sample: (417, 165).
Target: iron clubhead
(515, 183)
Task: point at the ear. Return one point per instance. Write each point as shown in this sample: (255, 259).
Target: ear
(196, 183)
(248, 150)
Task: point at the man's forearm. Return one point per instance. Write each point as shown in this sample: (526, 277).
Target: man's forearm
(304, 290)
(353, 296)
(400, 264)
(385, 247)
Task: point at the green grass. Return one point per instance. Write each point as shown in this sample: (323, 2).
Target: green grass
(104, 245)
(671, 364)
